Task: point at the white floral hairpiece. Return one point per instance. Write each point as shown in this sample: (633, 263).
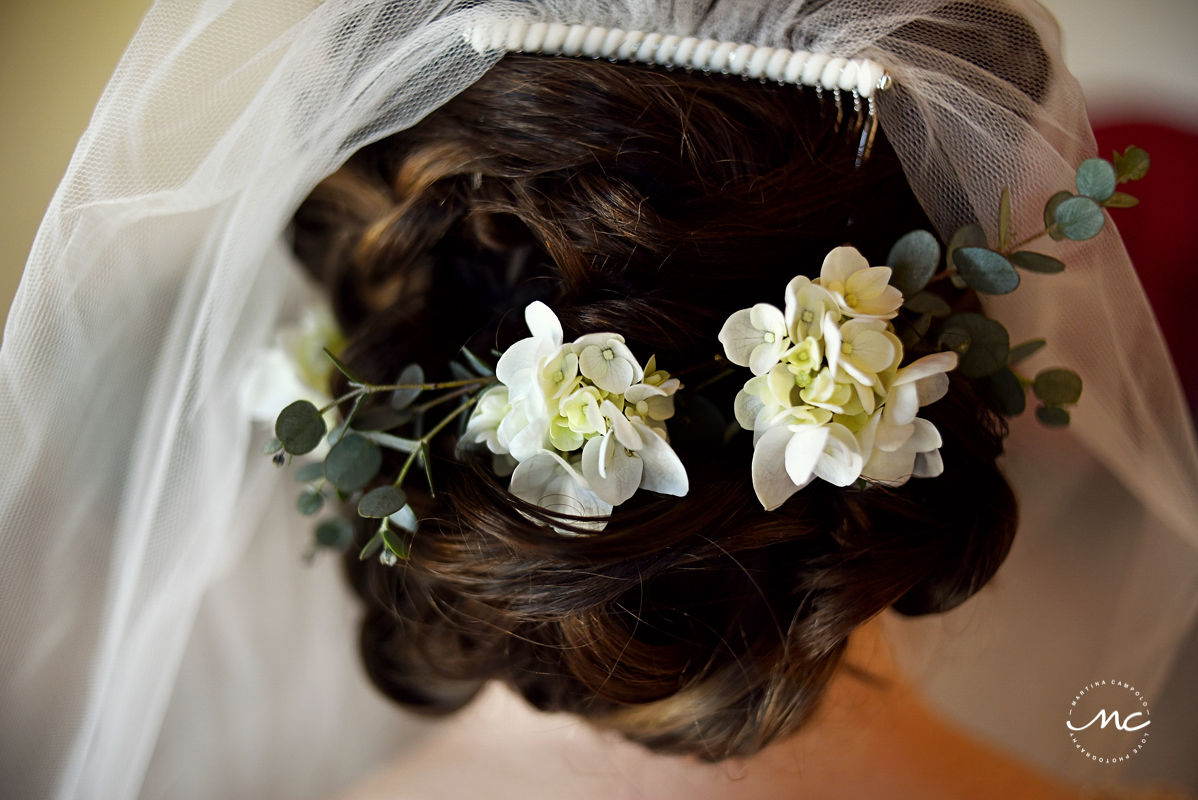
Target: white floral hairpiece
(829, 399)
(583, 422)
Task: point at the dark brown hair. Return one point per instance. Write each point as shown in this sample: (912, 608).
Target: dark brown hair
(652, 203)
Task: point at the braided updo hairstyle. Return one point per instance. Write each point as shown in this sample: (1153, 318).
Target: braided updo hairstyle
(651, 203)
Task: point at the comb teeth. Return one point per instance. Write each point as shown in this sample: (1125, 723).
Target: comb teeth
(859, 76)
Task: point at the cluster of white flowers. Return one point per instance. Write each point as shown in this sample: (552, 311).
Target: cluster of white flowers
(584, 422)
(829, 399)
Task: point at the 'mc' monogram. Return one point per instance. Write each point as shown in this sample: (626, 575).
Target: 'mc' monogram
(1125, 725)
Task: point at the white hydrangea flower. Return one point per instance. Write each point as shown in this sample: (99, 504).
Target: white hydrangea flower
(604, 359)
(483, 426)
(807, 303)
(630, 456)
(652, 402)
(860, 290)
(755, 337)
(788, 457)
(520, 366)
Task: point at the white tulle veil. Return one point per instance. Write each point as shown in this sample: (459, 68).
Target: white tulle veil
(159, 634)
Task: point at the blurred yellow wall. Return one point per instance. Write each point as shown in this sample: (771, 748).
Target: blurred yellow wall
(55, 58)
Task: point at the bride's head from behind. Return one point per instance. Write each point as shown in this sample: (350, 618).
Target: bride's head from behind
(655, 204)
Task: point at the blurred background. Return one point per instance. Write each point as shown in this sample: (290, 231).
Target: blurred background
(1137, 61)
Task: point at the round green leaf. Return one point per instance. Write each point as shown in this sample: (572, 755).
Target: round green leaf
(299, 427)
(1036, 262)
(381, 502)
(402, 398)
(310, 503)
(1050, 209)
(1007, 392)
(1132, 164)
(352, 463)
(985, 270)
(1052, 416)
(913, 261)
(1096, 179)
(271, 447)
(336, 532)
(928, 303)
(982, 343)
(1021, 351)
(965, 236)
(1080, 218)
(1058, 387)
(310, 472)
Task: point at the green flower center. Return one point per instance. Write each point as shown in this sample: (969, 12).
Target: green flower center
(608, 354)
(768, 337)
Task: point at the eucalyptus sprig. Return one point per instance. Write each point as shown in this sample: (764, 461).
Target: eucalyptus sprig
(972, 262)
(355, 456)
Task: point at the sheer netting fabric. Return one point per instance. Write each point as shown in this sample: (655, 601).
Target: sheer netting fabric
(160, 635)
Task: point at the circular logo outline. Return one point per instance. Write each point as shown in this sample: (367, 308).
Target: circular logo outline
(1142, 716)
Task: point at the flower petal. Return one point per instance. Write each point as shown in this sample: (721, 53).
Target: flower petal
(926, 366)
(609, 470)
(841, 263)
(543, 323)
(663, 471)
(840, 462)
(803, 452)
(546, 480)
(770, 479)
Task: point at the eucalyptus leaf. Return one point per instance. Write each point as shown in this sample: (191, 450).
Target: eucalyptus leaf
(336, 435)
(1004, 218)
(1007, 392)
(335, 532)
(426, 462)
(1052, 416)
(928, 303)
(986, 271)
(982, 343)
(381, 418)
(1096, 179)
(300, 427)
(402, 398)
(1036, 262)
(1022, 351)
(460, 372)
(373, 546)
(344, 370)
(352, 463)
(390, 441)
(477, 363)
(381, 502)
(966, 236)
(1079, 218)
(913, 261)
(310, 503)
(1050, 209)
(1132, 164)
(922, 325)
(272, 446)
(1058, 387)
(1121, 200)
(394, 542)
(313, 471)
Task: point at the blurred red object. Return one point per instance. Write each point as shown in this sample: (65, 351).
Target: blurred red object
(1161, 233)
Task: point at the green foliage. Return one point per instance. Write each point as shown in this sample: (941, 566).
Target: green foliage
(1120, 200)
(1131, 165)
(381, 502)
(394, 543)
(335, 532)
(1096, 179)
(1004, 219)
(1036, 262)
(373, 546)
(981, 343)
(913, 260)
(1007, 392)
(965, 236)
(928, 303)
(412, 374)
(1050, 210)
(1058, 387)
(986, 271)
(1025, 350)
(272, 446)
(1052, 416)
(310, 503)
(344, 370)
(299, 427)
(477, 364)
(352, 463)
(1079, 218)
(426, 461)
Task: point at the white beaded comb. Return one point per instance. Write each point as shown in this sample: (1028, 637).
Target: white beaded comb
(859, 77)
